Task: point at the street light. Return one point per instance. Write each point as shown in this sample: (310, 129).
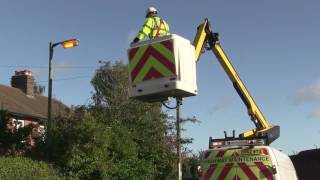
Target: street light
(65, 44)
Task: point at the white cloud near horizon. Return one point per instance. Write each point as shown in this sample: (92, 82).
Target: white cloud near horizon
(315, 114)
(308, 93)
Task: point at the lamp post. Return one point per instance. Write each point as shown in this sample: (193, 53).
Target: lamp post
(65, 44)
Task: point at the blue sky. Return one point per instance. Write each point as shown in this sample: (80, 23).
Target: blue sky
(274, 45)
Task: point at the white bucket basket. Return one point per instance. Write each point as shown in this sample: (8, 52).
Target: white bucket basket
(161, 68)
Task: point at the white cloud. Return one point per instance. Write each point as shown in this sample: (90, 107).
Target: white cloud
(222, 104)
(307, 94)
(315, 114)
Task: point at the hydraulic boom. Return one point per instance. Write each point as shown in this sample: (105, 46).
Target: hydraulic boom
(206, 39)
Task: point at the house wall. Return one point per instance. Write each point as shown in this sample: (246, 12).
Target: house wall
(20, 122)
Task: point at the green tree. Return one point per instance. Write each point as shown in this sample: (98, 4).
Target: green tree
(113, 138)
(146, 122)
(189, 160)
(189, 165)
(39, 89)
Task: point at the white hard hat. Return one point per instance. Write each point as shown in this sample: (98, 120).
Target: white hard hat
(151, 9)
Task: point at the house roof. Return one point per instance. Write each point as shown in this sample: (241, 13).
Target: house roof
(35, 107)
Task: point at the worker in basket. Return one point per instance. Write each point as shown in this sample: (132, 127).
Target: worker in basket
(153, 27)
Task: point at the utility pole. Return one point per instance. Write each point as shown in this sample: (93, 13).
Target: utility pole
(50, 87)
(178, 139)
(66, 45)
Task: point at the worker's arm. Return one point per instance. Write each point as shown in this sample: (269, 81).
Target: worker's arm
(146, 29)
(204, 37)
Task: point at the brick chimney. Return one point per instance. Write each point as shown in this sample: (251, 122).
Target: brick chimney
(24, 81)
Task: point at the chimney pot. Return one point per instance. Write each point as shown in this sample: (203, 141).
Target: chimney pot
(24, 81)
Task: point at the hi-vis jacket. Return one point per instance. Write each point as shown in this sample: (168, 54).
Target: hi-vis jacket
(153, 27)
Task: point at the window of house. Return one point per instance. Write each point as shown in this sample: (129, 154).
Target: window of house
(41, 130)
(17, 123)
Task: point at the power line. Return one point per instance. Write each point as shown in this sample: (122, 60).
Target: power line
(46, 67)
(66, 79)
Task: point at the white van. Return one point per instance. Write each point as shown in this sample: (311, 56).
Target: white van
(246, 163)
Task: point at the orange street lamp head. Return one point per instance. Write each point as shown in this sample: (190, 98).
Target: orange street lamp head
(70, 43)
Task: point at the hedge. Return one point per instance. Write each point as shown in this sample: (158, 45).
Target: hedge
(25, 168)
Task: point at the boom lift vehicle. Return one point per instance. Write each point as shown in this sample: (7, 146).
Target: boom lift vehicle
(248, 156)
(166, 67)
(205, 38)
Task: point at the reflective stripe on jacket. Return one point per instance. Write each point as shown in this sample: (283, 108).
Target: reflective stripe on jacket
(153, 27)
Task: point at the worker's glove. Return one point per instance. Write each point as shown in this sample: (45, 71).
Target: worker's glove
(134, 41)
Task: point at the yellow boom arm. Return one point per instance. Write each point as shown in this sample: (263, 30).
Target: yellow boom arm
(206, 39)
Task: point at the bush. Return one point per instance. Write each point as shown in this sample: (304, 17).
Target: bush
(25, 168)
(94, 150)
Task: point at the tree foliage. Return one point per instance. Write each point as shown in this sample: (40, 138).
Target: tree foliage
(145, 121)
(113, 138)
(39, 89)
